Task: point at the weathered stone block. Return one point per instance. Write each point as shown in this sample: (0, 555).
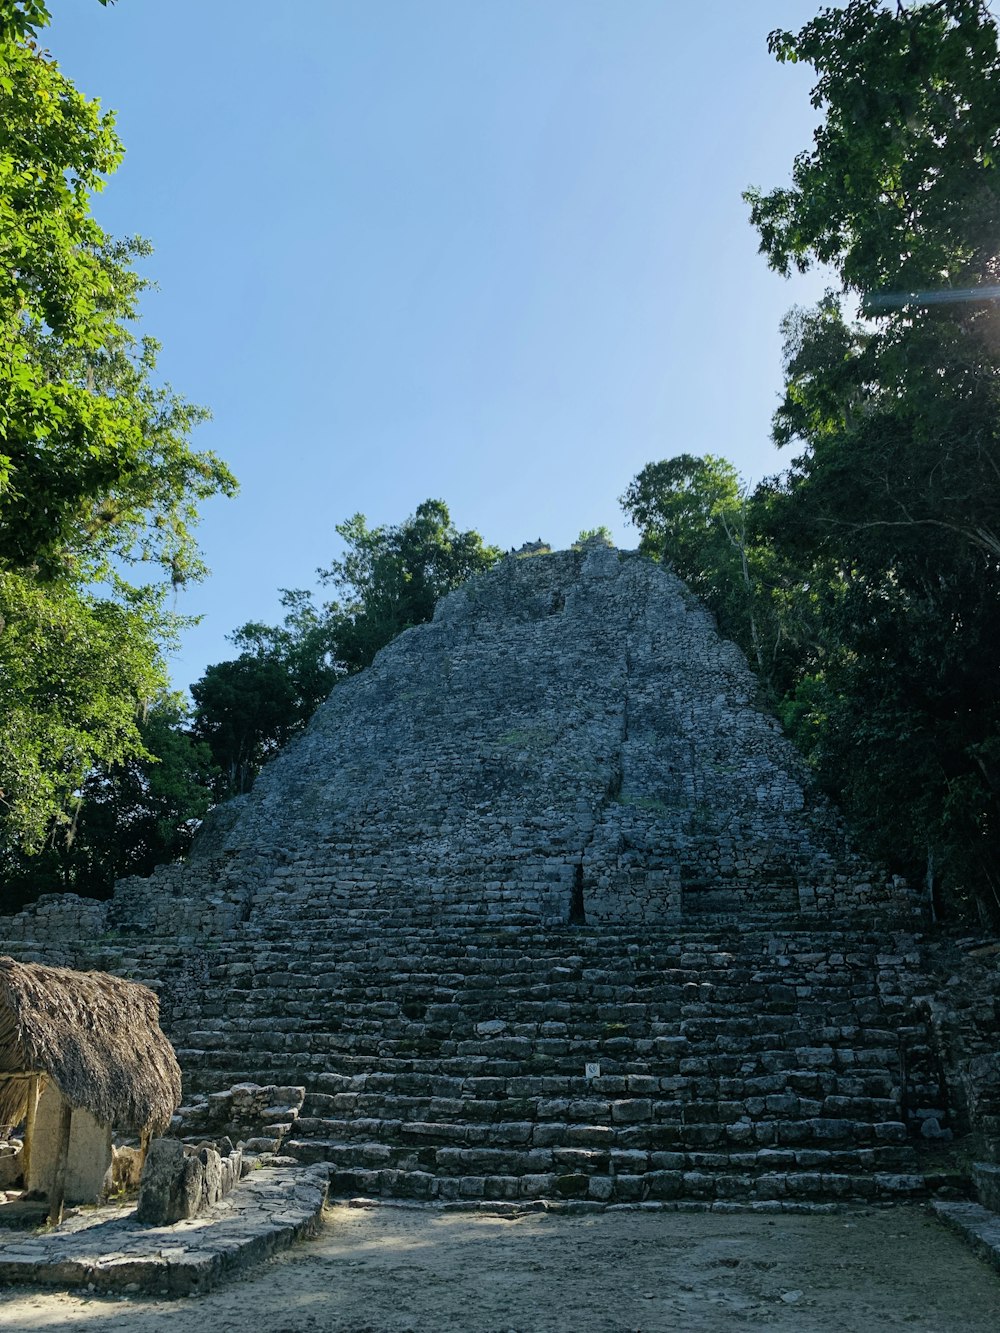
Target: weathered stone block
(665, 1184)
(88, 1165)
(631, 1111)
(170, 1188)
(212, 1177)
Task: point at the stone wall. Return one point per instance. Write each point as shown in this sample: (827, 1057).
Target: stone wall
(179, 1181)
(88, 1163)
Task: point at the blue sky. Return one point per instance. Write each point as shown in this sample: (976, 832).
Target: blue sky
(488, 251)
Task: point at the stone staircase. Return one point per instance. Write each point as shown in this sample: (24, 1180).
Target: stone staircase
(735, 1062)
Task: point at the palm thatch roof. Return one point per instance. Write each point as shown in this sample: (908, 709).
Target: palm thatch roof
(96, 1036)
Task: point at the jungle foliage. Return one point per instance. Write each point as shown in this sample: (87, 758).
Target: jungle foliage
(99, 485)
(864, 581)
(388, 579)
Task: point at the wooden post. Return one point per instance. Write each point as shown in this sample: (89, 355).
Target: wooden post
(34, 1092)
(62, 1154)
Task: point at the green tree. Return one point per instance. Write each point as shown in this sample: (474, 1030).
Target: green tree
(899, 193)
(248, 707)
(388, 579)
(891, 507)
(602, 533)
(902, 721)
(98, 483)
(127, 817)
(392, 577)
(696, 516)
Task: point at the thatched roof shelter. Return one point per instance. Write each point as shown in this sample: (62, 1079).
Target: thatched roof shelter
(95, 1036)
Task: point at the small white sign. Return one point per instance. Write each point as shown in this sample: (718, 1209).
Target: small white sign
(591, 1071)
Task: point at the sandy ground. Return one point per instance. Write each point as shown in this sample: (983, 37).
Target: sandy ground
(373, 1270)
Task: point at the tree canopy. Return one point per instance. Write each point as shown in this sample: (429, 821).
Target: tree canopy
(698, 517)
(391, 577)
(899, 192)
(246, 708)
(99, 486)
(873, 561)
(388, 579)
(127, 817)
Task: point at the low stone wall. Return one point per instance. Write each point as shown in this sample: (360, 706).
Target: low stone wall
(179, 1181)
(57, 917)
(105, 1249)
(259, 1116)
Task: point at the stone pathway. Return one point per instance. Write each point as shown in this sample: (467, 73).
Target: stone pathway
(105, 1249)
(978, 1225)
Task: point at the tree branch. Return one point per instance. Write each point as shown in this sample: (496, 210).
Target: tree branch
(982, 538)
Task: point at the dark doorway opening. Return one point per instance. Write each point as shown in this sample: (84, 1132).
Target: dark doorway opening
(577, 911)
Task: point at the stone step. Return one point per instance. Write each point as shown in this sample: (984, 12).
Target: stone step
(779, 1189)
(585, 997)
(645, 1134)
(639, 1128)
(740, 1014)
(450, 1159)
(871, 1073)
(595, 1109)
(674, 947)
(586, 992)
(679, 949)
(774, 1097)
(506, 1022)
(424, 958)
(423, 963)
(845, 1072)
(420, 1082)
(778, 934)
(787, 1048)
(772, 1072)
(518, 967)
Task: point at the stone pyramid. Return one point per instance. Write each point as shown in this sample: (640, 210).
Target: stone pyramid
(569, 740)
(542, 905)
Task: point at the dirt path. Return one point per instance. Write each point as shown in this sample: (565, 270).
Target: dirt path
(376, 1270)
